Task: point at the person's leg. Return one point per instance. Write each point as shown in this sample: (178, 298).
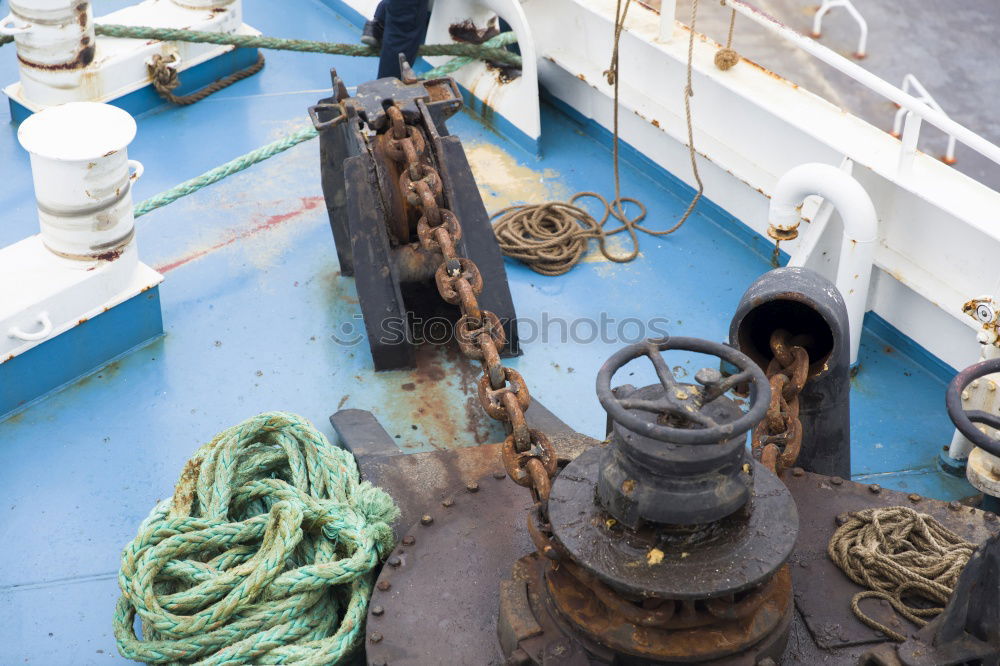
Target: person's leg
(405, 30)
(371, 33)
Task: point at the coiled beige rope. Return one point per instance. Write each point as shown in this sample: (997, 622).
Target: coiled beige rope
(898, 553)
(551, 238)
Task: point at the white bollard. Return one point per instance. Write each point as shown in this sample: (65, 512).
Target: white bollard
(234, 8)
(83, 178)
(203, 4)
(55, 42)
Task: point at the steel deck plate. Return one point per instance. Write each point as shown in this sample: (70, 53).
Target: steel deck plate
(253, 306)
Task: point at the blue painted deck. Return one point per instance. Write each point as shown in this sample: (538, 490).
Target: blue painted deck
(252, 297)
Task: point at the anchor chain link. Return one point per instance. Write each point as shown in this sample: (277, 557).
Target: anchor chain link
(777, 439)
(528, 456)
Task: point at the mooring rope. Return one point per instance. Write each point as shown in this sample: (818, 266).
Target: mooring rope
(265, 553)
(165, 80)
(224, 170)
(550, 238)
(897, 553)
(270, 150)
(477, 51)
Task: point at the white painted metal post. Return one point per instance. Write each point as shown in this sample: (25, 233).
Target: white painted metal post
(910, 81)
(908, 147)
(855, 14)
(857, 248)
(668, 12)
(82, 178)
(54, 38)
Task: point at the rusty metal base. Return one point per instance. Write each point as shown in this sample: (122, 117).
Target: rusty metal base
(441, 604)
(533, 631)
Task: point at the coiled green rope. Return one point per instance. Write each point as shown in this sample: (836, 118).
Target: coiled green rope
(264, 554)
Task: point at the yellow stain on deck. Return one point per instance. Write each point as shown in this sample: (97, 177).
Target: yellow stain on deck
(503, 181)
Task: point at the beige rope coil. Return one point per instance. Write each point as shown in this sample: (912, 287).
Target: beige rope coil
(551, 238)
(898, 553)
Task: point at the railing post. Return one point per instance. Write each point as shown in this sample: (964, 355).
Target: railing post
(908, 147)
(668, 10)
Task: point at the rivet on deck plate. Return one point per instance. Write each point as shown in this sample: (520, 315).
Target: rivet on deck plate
(842, 519)
(384, 585)
(499, 474)
(448, 503)
(375, 637)
(954, 505)
(990, 516)
(426, 519)
(798, 471)
(914, 497)
(377, 611)
(394, 561)
(836, 480)
(472, 487)
(409, 540)
(875, 488)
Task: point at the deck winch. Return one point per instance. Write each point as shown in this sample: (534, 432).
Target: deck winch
(388, 165)
(668, 544)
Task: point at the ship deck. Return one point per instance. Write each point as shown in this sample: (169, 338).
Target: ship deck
(253, 296)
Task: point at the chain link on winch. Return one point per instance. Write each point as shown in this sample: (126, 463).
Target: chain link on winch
(777, 439)
(528, 456)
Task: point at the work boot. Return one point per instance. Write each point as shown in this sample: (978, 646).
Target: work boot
(371, 34)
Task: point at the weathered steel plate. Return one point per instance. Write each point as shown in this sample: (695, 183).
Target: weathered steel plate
(442, 598)
(418, 481)
(822, 592)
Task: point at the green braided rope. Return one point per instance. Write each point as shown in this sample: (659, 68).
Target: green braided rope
(265, 553)
(455, 64)
(295, 138)
(227, 169)
(480, 51)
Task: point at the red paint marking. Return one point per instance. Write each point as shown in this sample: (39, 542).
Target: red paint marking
(308, 203)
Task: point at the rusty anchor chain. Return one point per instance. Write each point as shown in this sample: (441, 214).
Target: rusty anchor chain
(528, 456)
(777, 439)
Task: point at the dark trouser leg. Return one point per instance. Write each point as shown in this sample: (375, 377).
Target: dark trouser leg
(505, 27)
(379, 17)
(405, 29)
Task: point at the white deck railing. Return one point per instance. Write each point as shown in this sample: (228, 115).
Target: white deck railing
(917, 110)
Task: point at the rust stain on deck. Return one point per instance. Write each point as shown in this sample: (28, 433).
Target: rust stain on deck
(305, 204)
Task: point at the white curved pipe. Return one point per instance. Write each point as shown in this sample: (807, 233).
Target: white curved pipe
(857, 250)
